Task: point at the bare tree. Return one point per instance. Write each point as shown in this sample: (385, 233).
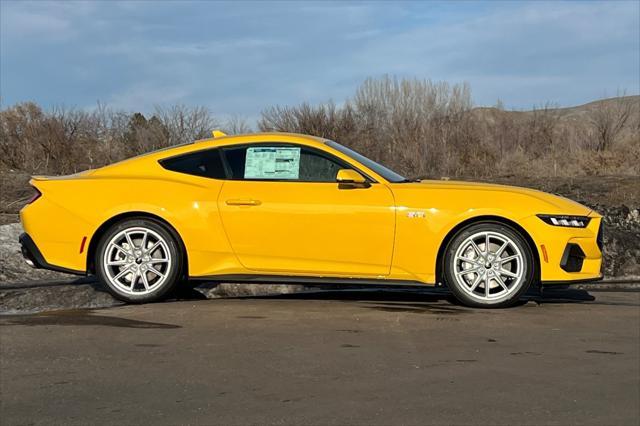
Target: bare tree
(237, 125)
(186, 124)
(608, 120)
(542, 126)
(19, 125)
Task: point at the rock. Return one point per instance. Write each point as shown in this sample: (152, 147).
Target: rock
(621, 241)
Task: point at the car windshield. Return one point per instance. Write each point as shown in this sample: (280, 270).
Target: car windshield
(386, 173)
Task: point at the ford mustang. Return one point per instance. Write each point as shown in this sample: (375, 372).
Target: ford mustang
(278, 207)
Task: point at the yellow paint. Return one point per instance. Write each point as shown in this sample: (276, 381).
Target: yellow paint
(382, 231)
(218, 133)
(349, 176)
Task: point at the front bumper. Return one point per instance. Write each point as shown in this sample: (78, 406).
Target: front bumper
(34, 258)
(568, 255)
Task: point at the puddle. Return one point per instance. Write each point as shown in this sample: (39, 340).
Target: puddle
(80, 318)
(595, 351)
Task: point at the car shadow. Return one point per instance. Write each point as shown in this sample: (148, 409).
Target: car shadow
(562, 295)
(391, 298)
(410, 298)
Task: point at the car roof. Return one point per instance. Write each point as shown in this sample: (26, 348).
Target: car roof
(215, 142)
(221, 141)
(260, 137)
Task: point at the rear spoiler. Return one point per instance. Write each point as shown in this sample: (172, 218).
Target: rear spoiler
(39, 178)
(40, 183)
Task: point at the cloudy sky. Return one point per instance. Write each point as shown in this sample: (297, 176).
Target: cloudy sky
(237, 58)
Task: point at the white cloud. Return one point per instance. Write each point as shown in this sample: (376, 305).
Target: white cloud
(45, 21)
(144, 96)
(22, 24)
(534, 47)
(240, 57)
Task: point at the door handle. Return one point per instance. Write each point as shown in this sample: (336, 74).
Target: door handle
(243, 202)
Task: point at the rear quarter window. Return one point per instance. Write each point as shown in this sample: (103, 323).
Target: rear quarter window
(207, 163)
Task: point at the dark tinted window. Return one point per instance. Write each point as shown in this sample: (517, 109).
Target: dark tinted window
(315, 167)
(286, 162)
(383, 171)
(235, 160)
(206, 163)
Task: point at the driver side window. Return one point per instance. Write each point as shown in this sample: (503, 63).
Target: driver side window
(281, 162)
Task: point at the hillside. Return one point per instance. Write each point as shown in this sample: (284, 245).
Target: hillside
(578, 116)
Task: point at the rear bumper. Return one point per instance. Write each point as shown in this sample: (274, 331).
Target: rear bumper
(34, 258)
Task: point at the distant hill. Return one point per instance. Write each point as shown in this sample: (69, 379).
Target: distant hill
(578, 114)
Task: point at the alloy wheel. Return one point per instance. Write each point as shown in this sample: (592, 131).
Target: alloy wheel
(488, 266)
(137, 260)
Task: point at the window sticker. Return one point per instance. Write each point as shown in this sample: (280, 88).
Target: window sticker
(272, 163)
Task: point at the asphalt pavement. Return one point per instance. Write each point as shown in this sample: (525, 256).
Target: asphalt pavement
(340, 358)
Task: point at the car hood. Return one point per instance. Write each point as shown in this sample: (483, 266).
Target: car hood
(553, 203)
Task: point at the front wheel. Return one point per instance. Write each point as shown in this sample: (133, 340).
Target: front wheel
(488, 265)
(138, 260)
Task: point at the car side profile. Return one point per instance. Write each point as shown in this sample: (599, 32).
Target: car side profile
(278, 207)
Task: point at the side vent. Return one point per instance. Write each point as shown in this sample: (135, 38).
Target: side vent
(572, 258)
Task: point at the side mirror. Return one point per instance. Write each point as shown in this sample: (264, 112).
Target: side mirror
(350, 177)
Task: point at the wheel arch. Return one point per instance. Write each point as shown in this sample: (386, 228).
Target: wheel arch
(485, 218)
(97, 235)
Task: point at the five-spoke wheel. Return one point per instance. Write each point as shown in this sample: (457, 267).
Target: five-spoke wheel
(489, 265)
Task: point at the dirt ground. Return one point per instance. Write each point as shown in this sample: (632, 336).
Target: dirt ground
(607, 191)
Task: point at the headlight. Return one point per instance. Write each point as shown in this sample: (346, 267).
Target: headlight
(566, 221)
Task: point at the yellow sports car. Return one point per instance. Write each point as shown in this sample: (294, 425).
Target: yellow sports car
(278, 207)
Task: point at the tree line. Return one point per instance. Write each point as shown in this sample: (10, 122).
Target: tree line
(418, 127)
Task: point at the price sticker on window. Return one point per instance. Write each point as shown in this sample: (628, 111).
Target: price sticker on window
(272, 163)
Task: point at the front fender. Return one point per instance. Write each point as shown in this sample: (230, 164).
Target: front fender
(419, 238)
(426, 214)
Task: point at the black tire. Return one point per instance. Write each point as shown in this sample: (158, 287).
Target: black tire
(462, 287)
(172, 274)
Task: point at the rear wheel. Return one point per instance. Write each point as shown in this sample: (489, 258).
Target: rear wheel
(488, 265)
(138, 260)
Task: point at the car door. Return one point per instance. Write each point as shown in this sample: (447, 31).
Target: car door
(284, 212)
